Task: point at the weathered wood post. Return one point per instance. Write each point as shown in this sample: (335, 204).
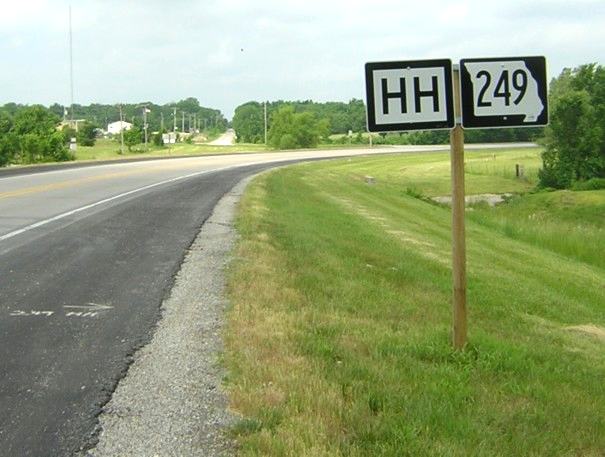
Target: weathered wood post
(458, 231)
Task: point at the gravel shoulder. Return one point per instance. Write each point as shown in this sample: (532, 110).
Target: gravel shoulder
(171, 402)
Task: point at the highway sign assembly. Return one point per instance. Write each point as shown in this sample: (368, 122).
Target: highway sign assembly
(169, 138)
(481, 93)
(504, 92)
(409, 95)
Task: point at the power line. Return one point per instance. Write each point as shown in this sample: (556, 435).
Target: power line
(145, 124)
(265, 116)
(71, 71)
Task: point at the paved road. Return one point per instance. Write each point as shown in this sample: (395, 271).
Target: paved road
(86, 257)
(226, 139)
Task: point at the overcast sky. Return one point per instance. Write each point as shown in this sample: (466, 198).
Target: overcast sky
(230, 51)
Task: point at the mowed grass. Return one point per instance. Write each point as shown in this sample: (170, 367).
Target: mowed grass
(105, 149)
(338, 340)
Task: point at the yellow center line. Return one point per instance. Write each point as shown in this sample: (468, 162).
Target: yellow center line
(76, 182)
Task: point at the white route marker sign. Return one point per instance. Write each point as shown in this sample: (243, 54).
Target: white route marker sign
(409, 95)
(503, 92)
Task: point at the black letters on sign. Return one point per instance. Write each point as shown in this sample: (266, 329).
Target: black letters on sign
(400, 95)
(434, 92)
(504, 92)
(391, 105)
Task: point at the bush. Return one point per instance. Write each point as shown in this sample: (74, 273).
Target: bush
(301, 130)
(36, 148)
(591, 184)
(32, 137)
(9, 145)
(86, 134)
(287, 141)
(132, 137)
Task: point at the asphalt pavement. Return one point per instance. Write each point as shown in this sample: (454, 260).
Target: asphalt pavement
(77, 302)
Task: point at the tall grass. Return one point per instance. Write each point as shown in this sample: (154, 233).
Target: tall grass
(571, 224)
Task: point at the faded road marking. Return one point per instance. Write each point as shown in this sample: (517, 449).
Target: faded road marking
(86, 310)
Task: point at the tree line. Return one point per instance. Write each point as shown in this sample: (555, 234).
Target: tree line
(338, 117)
(158, 116)
(32, 134)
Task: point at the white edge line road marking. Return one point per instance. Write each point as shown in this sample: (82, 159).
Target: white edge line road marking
(116, 197)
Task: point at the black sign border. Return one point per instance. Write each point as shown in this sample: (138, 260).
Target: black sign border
(537, 67)
(404, 127)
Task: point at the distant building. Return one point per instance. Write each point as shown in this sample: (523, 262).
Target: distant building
(117, 127)
(74, 124)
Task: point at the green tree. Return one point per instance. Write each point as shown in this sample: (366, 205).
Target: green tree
(9, 145)
(33, 137)
(291, 130)
(6, 123)
(68, 133)
(575, 138)
(35, 119)
(248, 123)
(133, 137)
(86, 134)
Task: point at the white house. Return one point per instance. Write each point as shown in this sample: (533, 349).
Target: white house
(118, 126)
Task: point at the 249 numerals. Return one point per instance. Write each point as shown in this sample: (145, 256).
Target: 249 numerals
(518, 80)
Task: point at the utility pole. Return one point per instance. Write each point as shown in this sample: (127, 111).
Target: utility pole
(183, 122)
(194, 122)
(265, 123)
(161, 122)
(71, 72)
(145, 124)
(121, 130)
(174, 118)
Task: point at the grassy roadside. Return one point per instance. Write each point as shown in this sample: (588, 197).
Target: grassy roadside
(110, 149)
(338, 338)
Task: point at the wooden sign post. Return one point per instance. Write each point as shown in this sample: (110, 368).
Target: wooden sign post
(458, 232)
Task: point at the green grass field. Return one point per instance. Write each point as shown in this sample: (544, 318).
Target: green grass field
(338, 342)
(106, 149)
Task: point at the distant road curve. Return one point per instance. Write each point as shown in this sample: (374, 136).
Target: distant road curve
(226, 139)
